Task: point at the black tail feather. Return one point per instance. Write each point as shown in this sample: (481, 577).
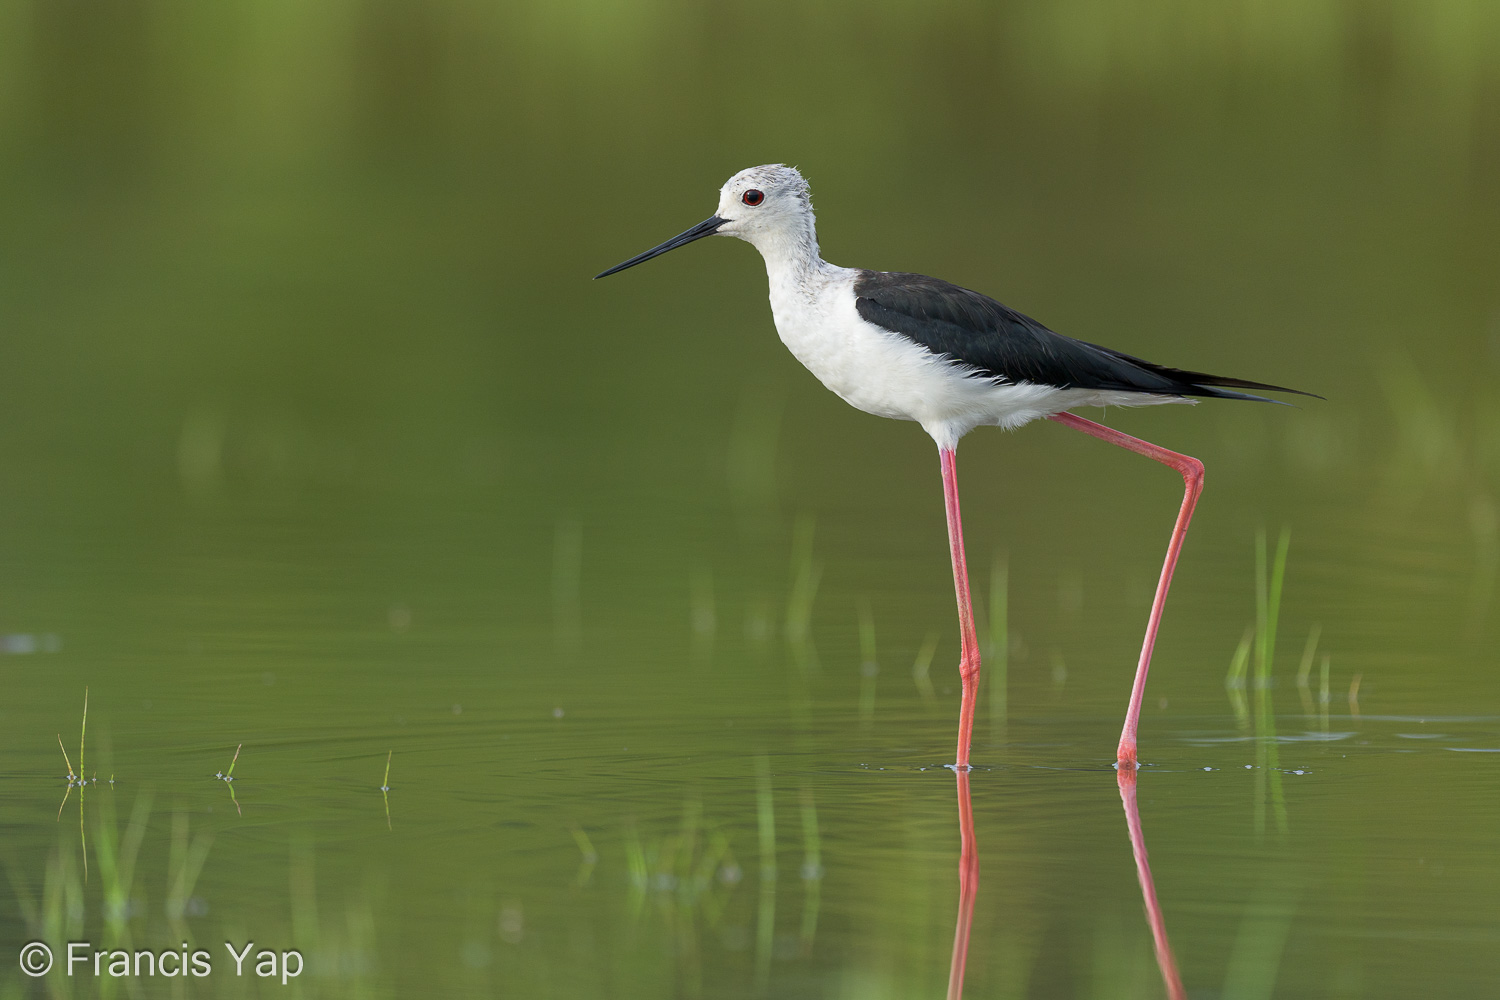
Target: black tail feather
(1204, 384)
(1205, 379)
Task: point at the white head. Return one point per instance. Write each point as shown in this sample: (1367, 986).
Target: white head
(767, 206)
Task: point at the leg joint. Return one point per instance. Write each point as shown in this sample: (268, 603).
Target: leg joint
(1192, 473)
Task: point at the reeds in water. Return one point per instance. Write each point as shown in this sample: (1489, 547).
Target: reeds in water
(1268, 588)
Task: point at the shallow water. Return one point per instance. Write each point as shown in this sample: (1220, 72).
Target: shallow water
(576, 814)
(317, 444)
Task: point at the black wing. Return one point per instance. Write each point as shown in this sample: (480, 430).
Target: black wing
(1000, 343)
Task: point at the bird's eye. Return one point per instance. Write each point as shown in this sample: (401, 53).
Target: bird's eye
(753, 197)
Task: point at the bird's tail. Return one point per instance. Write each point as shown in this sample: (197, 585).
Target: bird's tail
(1221, 386)
(1203, 384)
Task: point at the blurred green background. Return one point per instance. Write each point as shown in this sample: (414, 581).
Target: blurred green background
(315, 436)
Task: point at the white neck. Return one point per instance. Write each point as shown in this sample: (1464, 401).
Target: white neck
(791, 250)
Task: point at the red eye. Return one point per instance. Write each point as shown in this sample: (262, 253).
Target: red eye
(753, 197)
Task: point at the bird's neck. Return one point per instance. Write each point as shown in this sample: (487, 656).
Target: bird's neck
(791, 253)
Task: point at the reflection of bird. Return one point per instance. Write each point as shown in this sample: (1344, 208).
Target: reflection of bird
(1165, 960)
(916, 348)
(968, 886)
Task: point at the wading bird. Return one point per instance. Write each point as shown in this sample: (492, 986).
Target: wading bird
(916, 348)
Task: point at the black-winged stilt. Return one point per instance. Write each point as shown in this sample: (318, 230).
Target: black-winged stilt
(916, 348)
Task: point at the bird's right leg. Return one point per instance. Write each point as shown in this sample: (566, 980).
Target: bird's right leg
(968, 664)
(1191, 471)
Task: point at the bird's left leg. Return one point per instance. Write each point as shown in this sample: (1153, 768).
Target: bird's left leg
(968, 666)
(1192, 478)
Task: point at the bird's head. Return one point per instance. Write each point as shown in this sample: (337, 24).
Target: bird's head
(768, 206)
(766, 202)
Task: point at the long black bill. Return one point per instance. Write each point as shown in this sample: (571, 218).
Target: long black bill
(705, 228)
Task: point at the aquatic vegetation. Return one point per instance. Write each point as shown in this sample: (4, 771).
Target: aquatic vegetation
(869, 665)
(1304, 669)
(589, 857)
(1234, 680)
(567, 590)
(82, 735)
(812, 868)
(1258, 647)
(1267, 618)
(117, 856)
(703, 619)
(806, 573)
(385, 788)
(765, 814)
(688, 875)
(997, 646)
(185, 864)
(80, 779)
(1255, 960)
(228, 777)
(921, 668)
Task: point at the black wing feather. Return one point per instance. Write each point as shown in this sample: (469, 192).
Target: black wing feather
(1002, 344)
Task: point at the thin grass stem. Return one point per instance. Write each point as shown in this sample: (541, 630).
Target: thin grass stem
(765, 925)
(922, 666)
(997, 672)
(1234, 680)
(1269, 587)
(805, 573)
(1323, 697)
(812, 870)
(82, 733)
(585, 845)
(869, 666)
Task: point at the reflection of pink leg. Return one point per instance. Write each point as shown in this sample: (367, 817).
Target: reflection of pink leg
(1192, 478)
(968, 664)
(968, 887)
(1164, 958)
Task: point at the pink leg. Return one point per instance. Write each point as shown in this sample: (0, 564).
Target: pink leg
(968, 664)
(1192, 478)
